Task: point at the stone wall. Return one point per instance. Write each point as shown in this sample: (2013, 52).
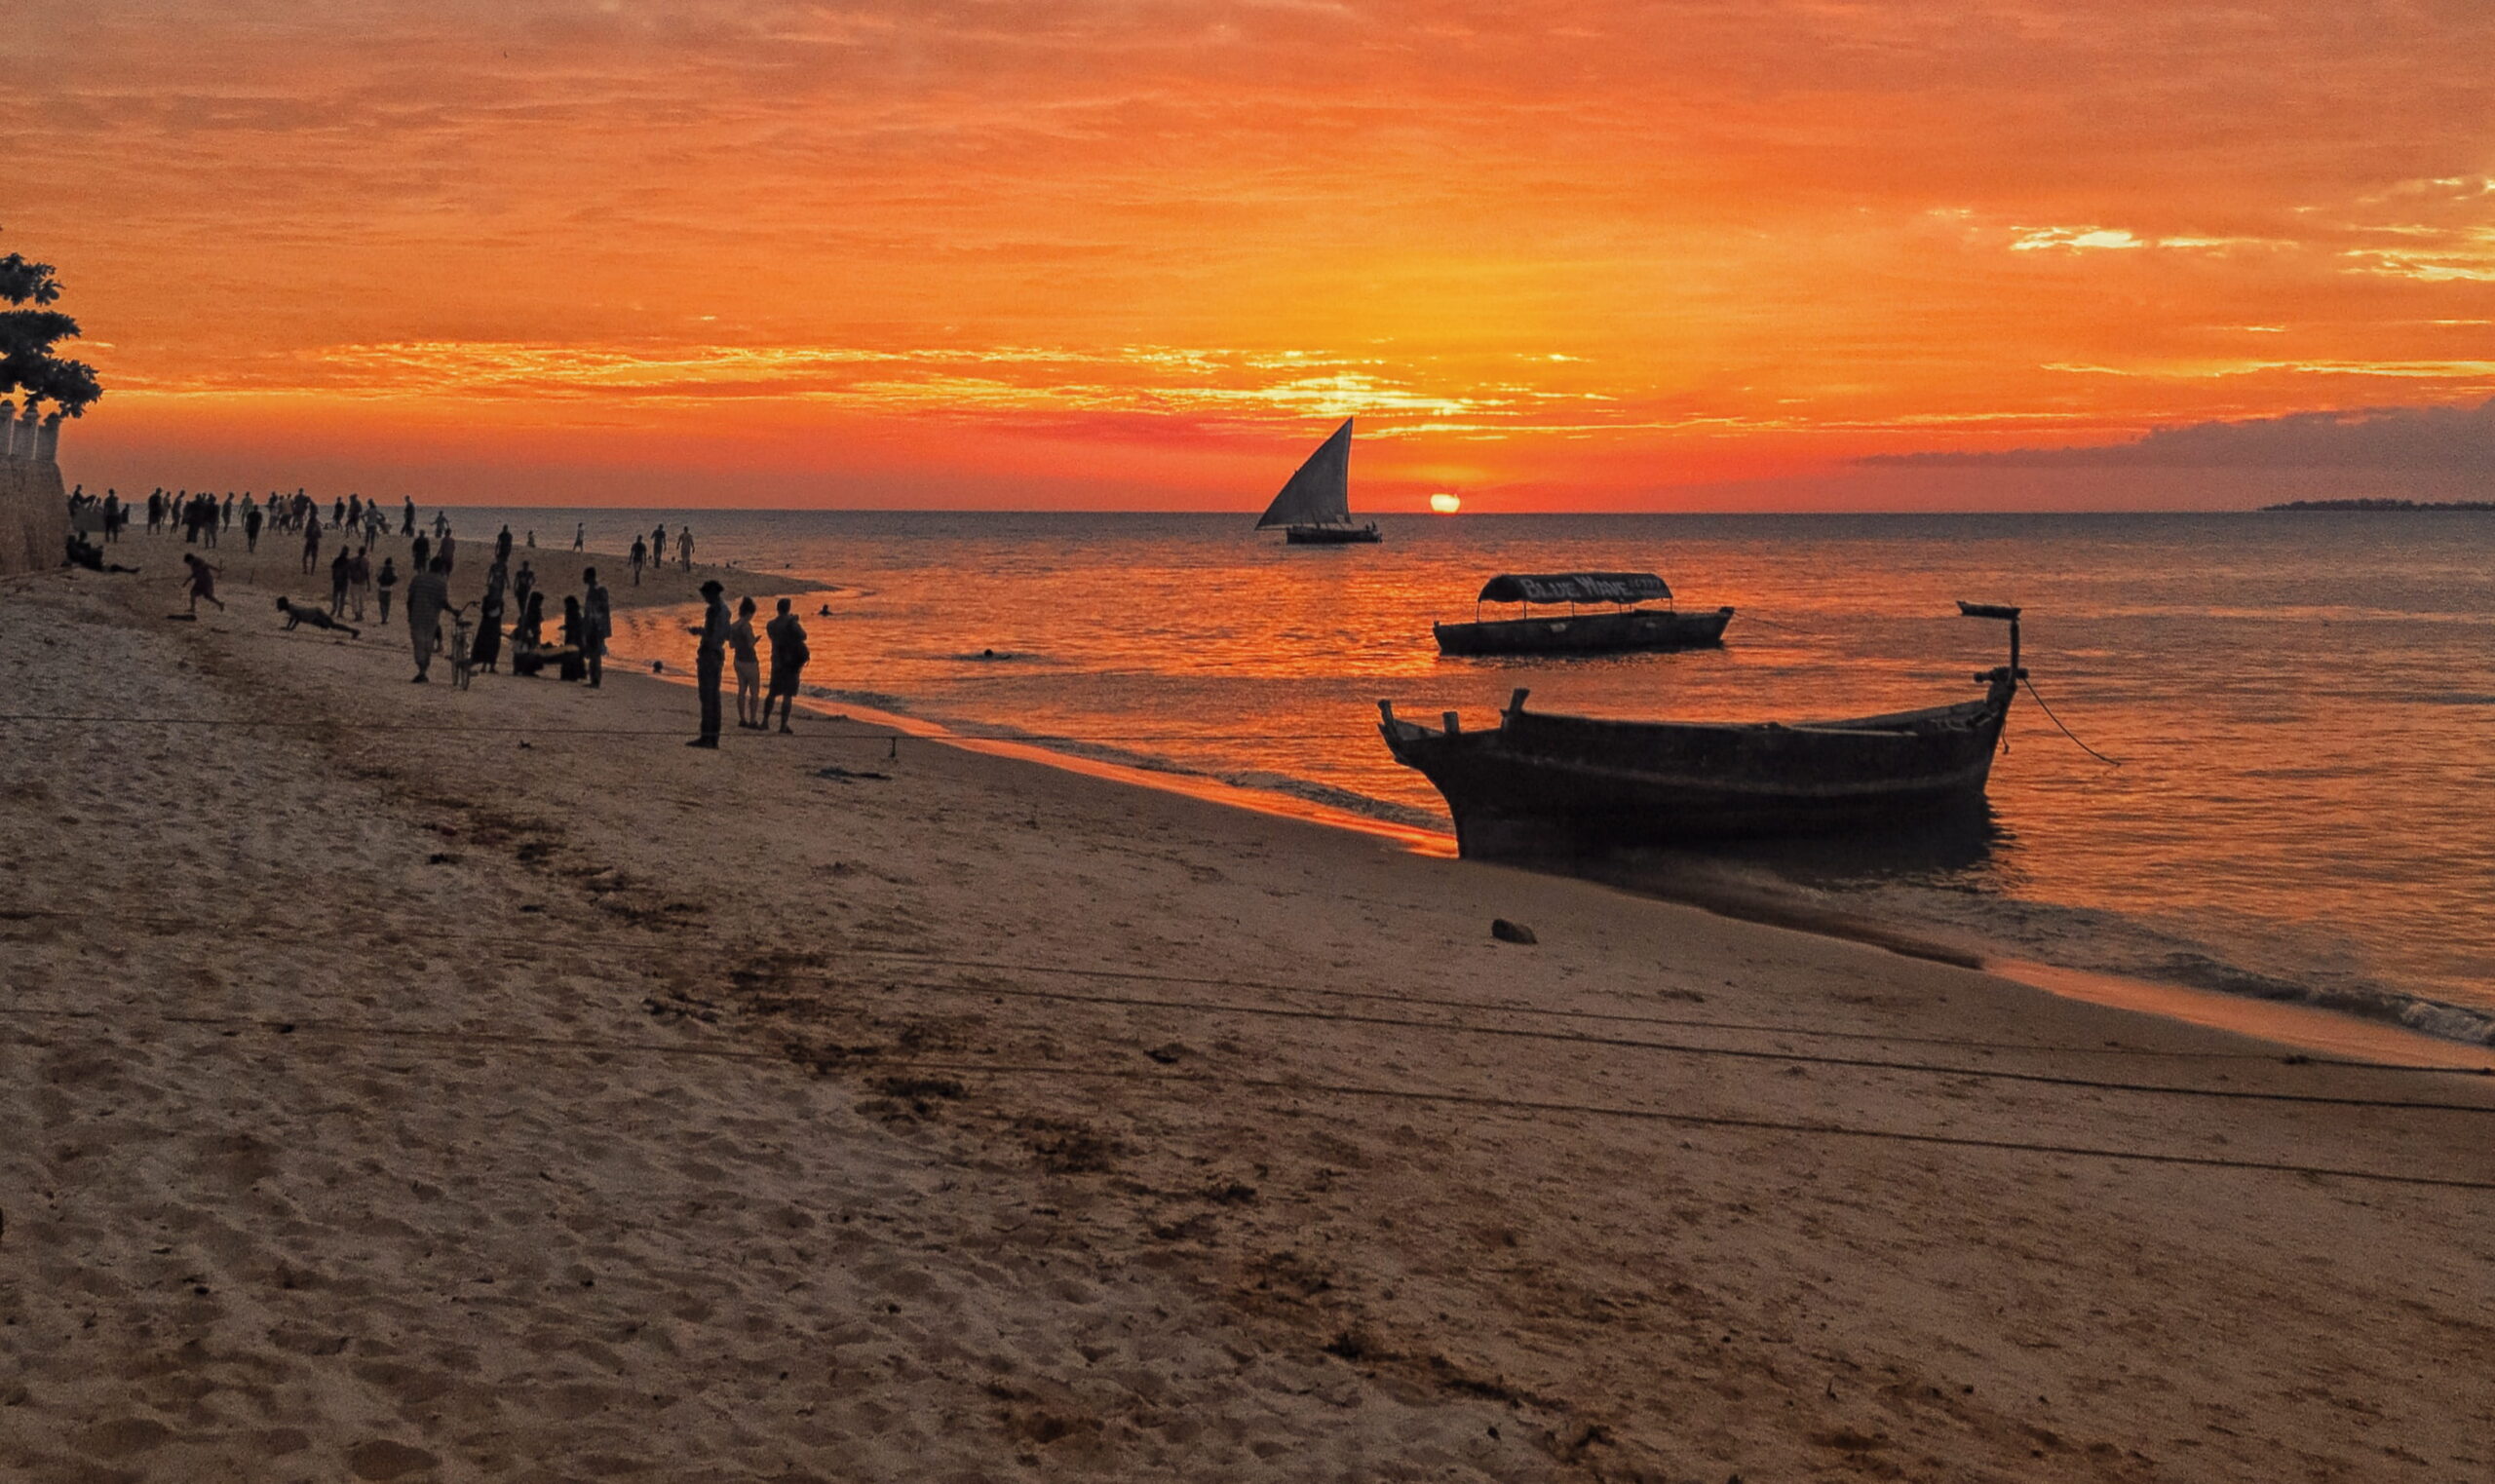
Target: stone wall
(34, 515)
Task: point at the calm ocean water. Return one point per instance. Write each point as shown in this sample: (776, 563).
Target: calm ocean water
(2303, 704)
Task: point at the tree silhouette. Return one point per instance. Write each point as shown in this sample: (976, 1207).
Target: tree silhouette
(27, 335)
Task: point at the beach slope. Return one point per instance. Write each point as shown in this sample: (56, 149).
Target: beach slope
(410, 1083)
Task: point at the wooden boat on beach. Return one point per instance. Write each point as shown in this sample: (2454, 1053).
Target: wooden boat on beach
(1543, 783)
(1314, 507)
(1628, 629)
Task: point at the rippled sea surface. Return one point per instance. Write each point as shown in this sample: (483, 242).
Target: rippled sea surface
(2303, 705)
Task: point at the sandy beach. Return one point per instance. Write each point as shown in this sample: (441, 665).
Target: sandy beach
(417, 1084)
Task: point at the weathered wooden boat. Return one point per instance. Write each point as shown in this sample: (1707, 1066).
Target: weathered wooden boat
(1545, 784)
(1315, 508)
(1627, 629)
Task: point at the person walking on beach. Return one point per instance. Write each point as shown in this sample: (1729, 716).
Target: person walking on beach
(575, 639)
(201, 581)
(597, 621)
(250, 529)
(311, 543)
(741, 643)
(358, 582)
(427, 595)
(445, 549)
(387, 584)
(640, 554)
(410, 516)
(684, 548)
(486, 652)
(524, 584)
(341, 570)
(710, 661)
(502, 545)
(155, 512)
(788, 656)
(580, 536)
(658, 544)
(422, 559)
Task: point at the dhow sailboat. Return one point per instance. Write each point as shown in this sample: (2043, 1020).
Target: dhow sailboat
(1315, 509)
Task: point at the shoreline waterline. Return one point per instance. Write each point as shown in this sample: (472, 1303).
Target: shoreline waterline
(2301, 1028)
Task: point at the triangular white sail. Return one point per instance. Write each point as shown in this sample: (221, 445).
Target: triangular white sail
(1320, 493)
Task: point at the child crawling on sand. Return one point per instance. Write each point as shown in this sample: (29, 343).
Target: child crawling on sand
(299, 613)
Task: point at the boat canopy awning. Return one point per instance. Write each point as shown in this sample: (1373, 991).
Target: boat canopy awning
(1575, 588)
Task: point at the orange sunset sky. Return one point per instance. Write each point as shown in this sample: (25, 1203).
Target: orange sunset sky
(1563, 255)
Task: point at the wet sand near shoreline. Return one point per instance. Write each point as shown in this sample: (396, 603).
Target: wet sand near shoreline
(407, 1096)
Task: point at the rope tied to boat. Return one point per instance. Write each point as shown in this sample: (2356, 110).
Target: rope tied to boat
(2065, 731)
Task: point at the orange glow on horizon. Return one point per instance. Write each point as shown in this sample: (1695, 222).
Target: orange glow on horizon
(1593, 255)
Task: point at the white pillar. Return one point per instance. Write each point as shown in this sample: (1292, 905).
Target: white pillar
(48, 444)
(28, 429)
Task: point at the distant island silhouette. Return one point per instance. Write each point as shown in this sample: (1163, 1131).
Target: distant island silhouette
(2382, 504)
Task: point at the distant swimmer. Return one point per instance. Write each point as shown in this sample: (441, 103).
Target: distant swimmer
(313, 617)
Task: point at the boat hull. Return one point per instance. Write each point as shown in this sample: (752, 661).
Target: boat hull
(1639, 630)
(1328, 535)
(1544, 786)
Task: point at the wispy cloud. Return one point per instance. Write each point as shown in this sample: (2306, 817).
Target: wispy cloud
(2444, 439)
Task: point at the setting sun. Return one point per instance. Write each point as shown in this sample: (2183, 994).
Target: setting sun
(1446, 505)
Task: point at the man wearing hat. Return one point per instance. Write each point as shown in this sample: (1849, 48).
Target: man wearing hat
(710, 661)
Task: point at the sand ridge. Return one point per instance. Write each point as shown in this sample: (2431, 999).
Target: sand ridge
(989, 1233)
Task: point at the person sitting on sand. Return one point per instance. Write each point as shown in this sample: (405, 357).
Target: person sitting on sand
(302, 613)
(788, 656)
(528, 653)
(201, 581)
(88, 554)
